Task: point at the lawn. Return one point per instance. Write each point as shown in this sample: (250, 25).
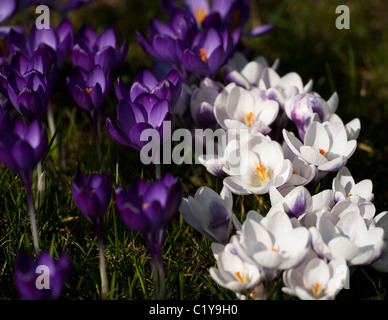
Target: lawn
(305, 39)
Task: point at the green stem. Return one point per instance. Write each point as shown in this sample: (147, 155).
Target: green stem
(103, 275)
(31, 211)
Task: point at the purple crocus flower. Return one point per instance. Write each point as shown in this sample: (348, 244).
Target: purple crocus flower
(146, 112)
(22, 147)
(26, 82)
(227, 13)
(92, 196)
(89, 89)
(91, 49)
(148, 209)
(60, 40)
(43, 278)
(167, 42)
(208, 52)
(145, 82)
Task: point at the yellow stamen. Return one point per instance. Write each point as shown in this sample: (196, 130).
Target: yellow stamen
(248, 118)
(88, 90)
(202, 54)
(317, 290)
(260, 171)
(199, 14)
(242, 279)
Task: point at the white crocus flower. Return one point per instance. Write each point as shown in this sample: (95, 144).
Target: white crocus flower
(245, 73)
(315, 279)
(202, 103)
(345, 187)
(209, 213)
(349, 238)
(273, 242)
(238, 108)
(326, 146)
(353, 127)
(303, 172)
(254, 165)
(298, 202)
(381, 220)
(304, 108)
(282, 88)
(232, 271)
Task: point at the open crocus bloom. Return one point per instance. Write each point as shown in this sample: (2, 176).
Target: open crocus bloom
(210, 213)
(233, 272)
(326, 146)
(246, 74)
(316, 279)
(282, 88)
(239, 108)
(255, 165)
(349, 238)
(345, 187)
(303, 172)
(273, 242)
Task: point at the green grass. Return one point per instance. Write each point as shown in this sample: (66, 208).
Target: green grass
(352, 62)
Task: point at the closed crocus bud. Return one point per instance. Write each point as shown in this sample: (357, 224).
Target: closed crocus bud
(89, 89)
(210, 213)
(22, 147)
(91, 49)
(149, 208)
(92, 196)
(43, 278)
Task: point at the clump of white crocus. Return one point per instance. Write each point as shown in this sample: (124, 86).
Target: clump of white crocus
(316, 279)
(255, 164)
(209, 213)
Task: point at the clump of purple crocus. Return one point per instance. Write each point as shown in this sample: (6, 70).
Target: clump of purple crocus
(43, 278)
(148, 209)
(92, 196)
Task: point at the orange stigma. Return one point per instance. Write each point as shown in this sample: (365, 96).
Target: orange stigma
(199, 14)
(248, 118)
(88, 90)
(260, 171)
(322, 152)
(202, 54)
(144, 205)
